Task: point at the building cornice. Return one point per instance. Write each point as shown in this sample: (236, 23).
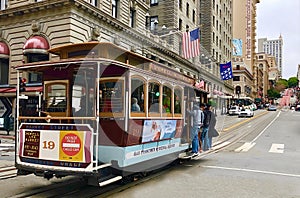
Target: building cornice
(33, 7)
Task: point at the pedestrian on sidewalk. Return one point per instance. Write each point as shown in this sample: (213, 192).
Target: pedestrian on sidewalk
(212, 132)
(197, 117)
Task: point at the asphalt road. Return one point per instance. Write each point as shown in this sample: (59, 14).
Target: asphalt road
(264, 163)
(261, 159)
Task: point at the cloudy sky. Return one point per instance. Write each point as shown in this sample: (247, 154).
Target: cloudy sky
(275, 17)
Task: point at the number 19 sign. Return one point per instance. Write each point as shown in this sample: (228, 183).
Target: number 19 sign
(56, 145)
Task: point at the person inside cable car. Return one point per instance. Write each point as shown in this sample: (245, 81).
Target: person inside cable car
(134, 105)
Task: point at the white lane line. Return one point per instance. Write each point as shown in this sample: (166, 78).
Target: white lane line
(245, 147)
(277, 148)
(251, 170)
(266, 128)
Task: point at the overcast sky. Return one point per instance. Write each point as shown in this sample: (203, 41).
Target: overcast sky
(275, 17)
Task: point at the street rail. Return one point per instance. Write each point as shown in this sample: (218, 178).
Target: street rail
(8, 172)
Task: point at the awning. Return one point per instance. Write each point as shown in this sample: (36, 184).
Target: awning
(36, 44)
(4, 50)
(11, 91)
(257, 99)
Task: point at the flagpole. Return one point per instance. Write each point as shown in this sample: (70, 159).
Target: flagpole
(180, 31)
(170, 33)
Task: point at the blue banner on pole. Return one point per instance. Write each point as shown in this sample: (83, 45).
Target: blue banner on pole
(226, 71)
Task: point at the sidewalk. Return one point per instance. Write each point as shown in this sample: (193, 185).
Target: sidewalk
(4, 138)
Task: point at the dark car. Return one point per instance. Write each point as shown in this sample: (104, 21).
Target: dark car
(297, 107)
(272, 108)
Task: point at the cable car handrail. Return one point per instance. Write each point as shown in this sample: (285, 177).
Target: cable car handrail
(56, 118)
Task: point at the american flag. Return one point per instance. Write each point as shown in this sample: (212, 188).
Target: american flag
(191, 43)
(226, 71)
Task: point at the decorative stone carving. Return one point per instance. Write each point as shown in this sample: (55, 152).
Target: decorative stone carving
(35, 27)
(117, 40)
(133, 49)
(95, 34)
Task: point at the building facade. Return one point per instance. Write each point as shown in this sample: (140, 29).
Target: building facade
(273, 47)
(216, 36)
(268, 73)
(29, 28)
(244, 32)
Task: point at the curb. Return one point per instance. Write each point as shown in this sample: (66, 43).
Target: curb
(7, 137)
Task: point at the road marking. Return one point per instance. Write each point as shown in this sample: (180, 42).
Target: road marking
(252, 170)
(266, 128)
(277, 148)
(244, 121)
(245, 147)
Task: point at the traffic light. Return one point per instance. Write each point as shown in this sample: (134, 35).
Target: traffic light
(22, 84)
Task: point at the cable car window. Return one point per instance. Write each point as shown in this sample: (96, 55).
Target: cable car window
(167, 98)
(153, 97)
(55, 98)
(83, 89)
(137, 95)
(111, 96)
(177, 100)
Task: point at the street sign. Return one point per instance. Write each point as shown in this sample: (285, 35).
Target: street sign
(5, 107)
(2, 109)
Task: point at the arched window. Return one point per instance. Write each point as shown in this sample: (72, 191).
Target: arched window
(177, 100)
(35, 50)
(167, 99)
(153, 98)
(4, 63)
(238, 90)
(137, 94)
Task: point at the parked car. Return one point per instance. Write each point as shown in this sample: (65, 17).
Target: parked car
(246, 113)
(297, 107)
(253, 107)
(234, 110)
(272, 108)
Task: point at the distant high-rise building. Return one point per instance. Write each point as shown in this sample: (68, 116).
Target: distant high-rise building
(274, 48)
(243, 52)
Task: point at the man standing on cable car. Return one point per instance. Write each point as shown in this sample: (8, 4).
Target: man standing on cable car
(197, 117)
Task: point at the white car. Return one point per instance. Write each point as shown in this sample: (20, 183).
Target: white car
(234, 110)
(246, 113)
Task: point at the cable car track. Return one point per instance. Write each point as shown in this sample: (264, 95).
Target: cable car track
(8, 172)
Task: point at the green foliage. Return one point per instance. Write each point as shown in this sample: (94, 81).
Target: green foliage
(273, 93)
(212, 103)
(292, 82)
(281, 85)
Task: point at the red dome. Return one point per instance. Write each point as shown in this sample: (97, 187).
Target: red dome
(4, 49)
(36, 42)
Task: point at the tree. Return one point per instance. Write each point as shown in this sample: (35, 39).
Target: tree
(281, 85)
(293, 82)
(273, 93)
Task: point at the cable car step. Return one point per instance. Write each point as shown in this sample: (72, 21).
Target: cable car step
(109, 181)
(102, 166)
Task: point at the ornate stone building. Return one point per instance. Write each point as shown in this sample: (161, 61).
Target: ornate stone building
(244, 32)
(28, 28)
